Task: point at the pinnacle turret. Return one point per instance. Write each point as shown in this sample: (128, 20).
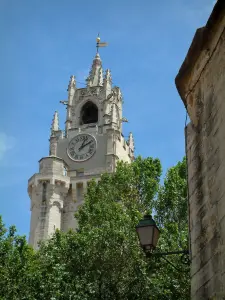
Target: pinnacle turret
(55, 123)
(107, 82)
(131, 141)
(95, 77)
(72, 83)
(107, 77)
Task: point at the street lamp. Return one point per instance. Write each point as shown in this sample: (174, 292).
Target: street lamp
(148, 234)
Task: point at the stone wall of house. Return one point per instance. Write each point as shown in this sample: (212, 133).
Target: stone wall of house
(201, 84)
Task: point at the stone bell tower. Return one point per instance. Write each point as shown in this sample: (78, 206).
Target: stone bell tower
(91, 144)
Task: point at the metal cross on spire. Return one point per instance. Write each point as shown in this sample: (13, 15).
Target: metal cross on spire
(99, 44)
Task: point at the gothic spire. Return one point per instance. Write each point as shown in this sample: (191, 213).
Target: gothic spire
(95, 77)
(131, 141)
(55, 123)
(107, 82)
(72, 83)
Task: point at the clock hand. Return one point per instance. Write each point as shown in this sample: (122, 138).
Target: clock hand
(85, 139)
(82, 146)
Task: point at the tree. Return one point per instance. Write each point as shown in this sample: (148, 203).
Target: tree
(171, 215)
(103, 260)
(15, 264)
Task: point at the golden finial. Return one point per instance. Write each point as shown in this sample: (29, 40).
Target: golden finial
(98, 39)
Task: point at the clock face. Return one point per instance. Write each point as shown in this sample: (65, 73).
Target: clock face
(82, 147)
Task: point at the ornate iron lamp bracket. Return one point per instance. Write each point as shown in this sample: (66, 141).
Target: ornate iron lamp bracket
(184, 256)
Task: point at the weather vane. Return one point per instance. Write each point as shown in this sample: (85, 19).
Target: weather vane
(99, 44)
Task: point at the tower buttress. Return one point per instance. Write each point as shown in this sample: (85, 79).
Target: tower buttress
(114, 116)
(111, 156)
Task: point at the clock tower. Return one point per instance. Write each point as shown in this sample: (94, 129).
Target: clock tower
(91, 144)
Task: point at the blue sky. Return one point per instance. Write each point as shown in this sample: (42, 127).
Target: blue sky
(44, 42)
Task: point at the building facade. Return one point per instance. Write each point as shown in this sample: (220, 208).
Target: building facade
(201, 85)
(91, 144)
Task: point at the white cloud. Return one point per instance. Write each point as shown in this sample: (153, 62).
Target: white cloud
(6, 143)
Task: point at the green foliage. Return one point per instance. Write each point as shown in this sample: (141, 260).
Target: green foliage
(103, 260)
(171, 215)
(15, 264)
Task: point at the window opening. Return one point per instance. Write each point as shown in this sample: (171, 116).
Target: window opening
(89, 113)
(44, 192)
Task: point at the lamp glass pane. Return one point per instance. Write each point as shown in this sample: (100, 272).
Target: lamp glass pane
(155, 237)
(145, 235)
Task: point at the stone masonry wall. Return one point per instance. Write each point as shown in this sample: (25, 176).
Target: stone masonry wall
(205, 145)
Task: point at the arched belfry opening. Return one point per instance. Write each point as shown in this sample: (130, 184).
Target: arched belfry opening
(89, 113)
